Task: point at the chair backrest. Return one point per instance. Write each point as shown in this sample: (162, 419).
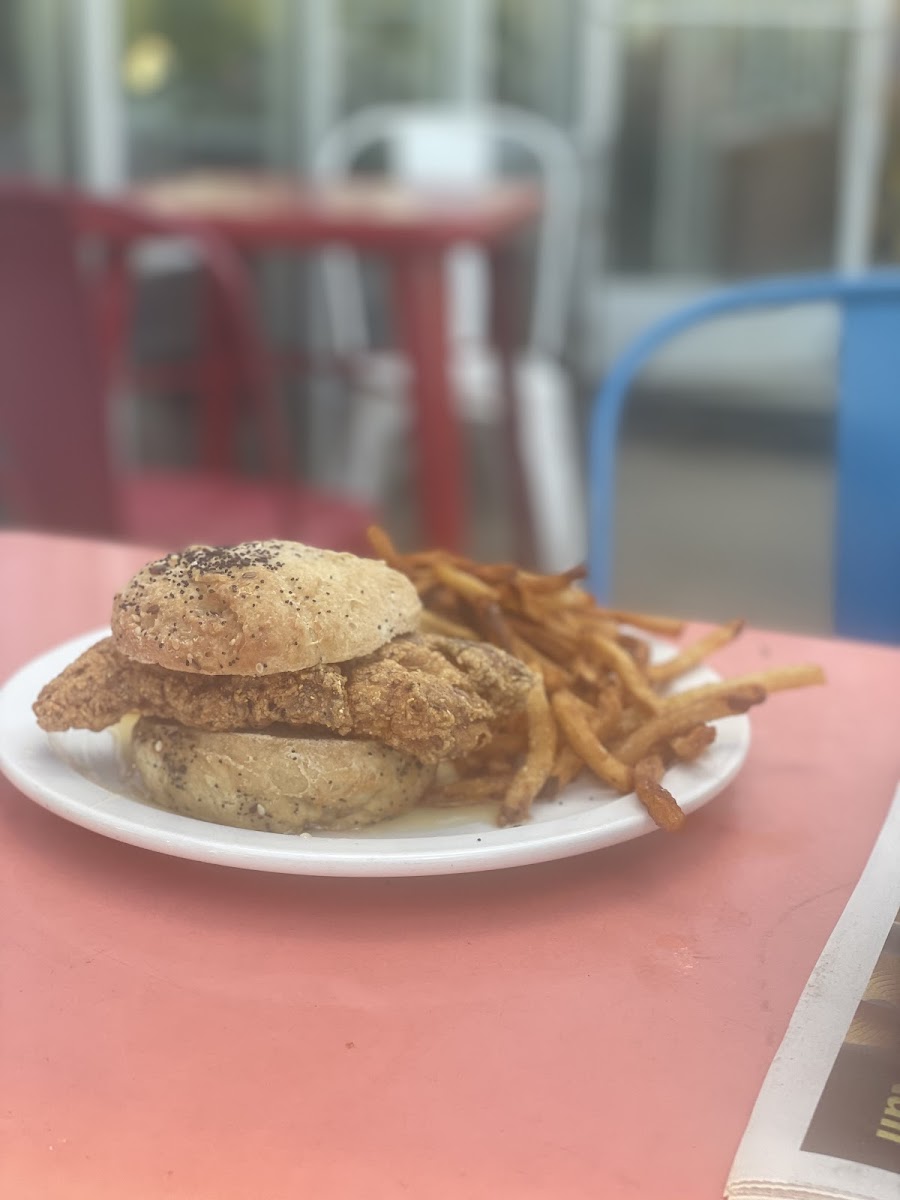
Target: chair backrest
(126, 232)
(58, 463)
(867, 520)
(54, 433)
(456, 147)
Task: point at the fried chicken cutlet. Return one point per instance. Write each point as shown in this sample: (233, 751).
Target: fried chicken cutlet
(428, 696)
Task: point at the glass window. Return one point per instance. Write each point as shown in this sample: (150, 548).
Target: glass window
(34, 136)
(14, 115)
(887, 224)
(534, 56)
(393, 52)
(195, 82)
(726, 159)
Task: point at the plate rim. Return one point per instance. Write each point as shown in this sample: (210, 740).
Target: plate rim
(56, 786)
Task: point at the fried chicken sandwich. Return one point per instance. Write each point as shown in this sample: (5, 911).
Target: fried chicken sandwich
(283, 688)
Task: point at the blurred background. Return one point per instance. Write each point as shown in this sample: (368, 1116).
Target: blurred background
(715, 141)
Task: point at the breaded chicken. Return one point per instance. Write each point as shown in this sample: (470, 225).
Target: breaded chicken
(431, 697)
(434, 697)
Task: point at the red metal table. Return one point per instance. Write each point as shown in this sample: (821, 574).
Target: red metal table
(413, 230)
(592, 1027)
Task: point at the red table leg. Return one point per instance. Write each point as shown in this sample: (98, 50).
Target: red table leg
(217, 402)
(114, 297)
(421, 309)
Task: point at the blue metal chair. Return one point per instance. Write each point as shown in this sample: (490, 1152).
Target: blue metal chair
(867, 526)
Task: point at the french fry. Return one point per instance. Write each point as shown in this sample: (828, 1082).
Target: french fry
(628, 671)
(590, 675)
(775, 679)
(488, 619)
(601, 704)
(679, 720)
(650, 623)
(440, 599)
(505, 745)
(433, 622)
(532, 775)
(553, 676)
(526, 603)
(601, 715)
(604, 710)
(471, 790)
(567, 766)
(381, 543)
(658, 800)
(550, 583)
(637, 648)
(562, 647)
(492, 573)
(688, 746)
(465, 584)
(578, 733)
(631, 718)
(607, 708)
(694, 654)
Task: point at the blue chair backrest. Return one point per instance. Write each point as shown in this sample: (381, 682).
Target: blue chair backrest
(867, 525)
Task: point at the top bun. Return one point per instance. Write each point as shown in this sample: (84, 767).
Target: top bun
(260, 608)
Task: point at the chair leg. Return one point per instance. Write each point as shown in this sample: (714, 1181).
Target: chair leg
(548, 445)
(377, 425)
(421, 309)
(249, 364)
(115, 304)
(216, 382)
(503, 293)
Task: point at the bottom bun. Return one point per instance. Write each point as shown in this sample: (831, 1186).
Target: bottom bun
(272, 781)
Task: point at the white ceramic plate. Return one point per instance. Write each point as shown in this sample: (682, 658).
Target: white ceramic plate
(81, 776)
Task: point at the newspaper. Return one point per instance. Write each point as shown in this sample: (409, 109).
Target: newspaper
(827, 1121)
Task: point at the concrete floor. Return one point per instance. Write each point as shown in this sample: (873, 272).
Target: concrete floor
(722, 531)
(706, 530)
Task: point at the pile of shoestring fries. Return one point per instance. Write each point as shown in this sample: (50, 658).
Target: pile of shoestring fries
(600, 702)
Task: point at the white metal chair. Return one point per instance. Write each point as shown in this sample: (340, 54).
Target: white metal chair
(459, 147)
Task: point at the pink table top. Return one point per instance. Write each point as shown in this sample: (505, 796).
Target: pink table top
(263, 209)
(597, 1026)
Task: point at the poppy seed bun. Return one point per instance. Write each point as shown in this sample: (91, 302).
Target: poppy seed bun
(277, 783)
(260, 608)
